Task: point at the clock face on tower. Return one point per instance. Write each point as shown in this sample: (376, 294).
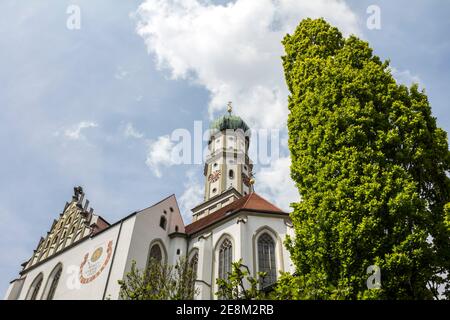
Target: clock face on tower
(214, 176)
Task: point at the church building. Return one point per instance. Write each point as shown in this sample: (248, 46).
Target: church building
(83, 256)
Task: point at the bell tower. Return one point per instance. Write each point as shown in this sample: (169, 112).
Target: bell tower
(228, 169)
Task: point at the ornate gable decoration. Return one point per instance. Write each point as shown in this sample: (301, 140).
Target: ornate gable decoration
(74, 223)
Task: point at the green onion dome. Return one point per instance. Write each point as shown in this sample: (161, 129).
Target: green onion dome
(229, 121)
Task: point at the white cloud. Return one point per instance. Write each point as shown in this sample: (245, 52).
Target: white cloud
(233, 50)
(160, 154)
(131, 132)
(405, 77)
(121, 73)
(275, 183)
(192, 195)
(74, 133)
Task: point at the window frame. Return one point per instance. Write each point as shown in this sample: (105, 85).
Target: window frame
(224, 266)
(162, 248)
(51, 286)
(32, 293)
(279, 260)
(271, 277)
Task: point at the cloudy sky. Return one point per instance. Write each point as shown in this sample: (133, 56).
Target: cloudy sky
(95, 106)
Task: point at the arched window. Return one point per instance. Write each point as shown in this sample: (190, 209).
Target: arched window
(194, 263)
(163, 222)
(266, 259)
(35, 286)
(155, 253)
(225, 258)
(54, 278)
(231, 174)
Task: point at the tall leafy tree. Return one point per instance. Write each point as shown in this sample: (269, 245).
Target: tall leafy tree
(372, 169)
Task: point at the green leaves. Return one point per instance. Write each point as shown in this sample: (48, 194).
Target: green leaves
(240, 285)
(372, 169)
(447, 216)
(159, 281)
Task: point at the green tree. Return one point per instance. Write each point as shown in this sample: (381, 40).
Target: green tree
(159, 281)
(372, 168)
(240, 285)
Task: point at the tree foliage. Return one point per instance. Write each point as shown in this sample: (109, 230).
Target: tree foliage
(372, 168)
(159, 281)
(240, 285)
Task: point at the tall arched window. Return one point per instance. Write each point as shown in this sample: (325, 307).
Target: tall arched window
(54, 278)
(266, 259)
(35, 286)
(225, 258)
(155, 253)
(231, 174)
(194, 263)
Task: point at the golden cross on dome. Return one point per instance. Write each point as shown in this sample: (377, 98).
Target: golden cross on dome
(229, 107)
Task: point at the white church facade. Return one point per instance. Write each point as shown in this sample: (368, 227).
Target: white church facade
(83, 256)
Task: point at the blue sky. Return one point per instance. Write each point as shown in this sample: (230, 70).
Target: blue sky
(94, 106)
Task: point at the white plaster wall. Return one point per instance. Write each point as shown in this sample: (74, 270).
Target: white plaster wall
(204, 246)
(231, 141)
(218, 142)
(177, 249)
(228, 229)
(147, 230)
(120, 259)
(215, 185)
(275, 225)
(235, 180)
(69, 286)
(14, 289)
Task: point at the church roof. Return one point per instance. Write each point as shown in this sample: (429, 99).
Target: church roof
(251, 202)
